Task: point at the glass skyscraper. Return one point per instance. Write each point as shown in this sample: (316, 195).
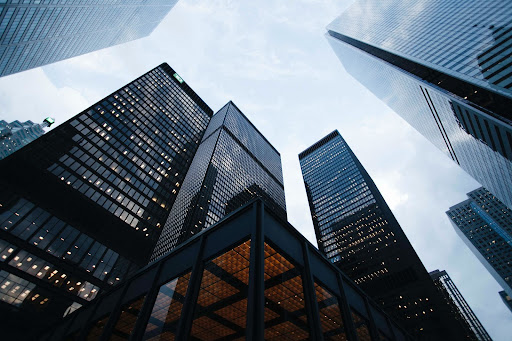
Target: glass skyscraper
(15, 135)
(234, 163)
(83, 206)
(445, 67)
(38, 32)
(357, 231)
(460, 307)
(485, 225)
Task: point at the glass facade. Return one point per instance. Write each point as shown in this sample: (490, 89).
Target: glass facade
(83, 206)
(34, 33)
(485, 225)
(234, 164)
(16, 134)
(236, 281)
(450, 79)
(357, 231)
(459, 305)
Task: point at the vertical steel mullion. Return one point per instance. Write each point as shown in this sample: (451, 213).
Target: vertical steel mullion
(114, 315)
(255, 298)
(144, 313)
(350, 328)
(194, 284)
(310, 296)
(82, 332)
(374, 333)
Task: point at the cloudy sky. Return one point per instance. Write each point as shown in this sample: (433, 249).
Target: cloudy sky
(271, 58)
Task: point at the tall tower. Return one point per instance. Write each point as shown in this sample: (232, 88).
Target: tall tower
(233, 164)
(485, 225)
(36, 33)
(83, 206)
(357, 231)
(445, 68)
(15, 135)
(459, 306)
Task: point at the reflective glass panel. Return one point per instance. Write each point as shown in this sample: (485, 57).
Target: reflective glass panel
(330, 314)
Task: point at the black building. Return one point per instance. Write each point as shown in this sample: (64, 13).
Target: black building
(234, 164)
(83, 206)
(251, 276)
(458, 304)
(357, 231)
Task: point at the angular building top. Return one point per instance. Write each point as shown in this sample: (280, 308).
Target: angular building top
(454, 298)
(15, 135)
(233, 164)
(84, 205)
(457, 94)
(485, 225)
(36, 33)
(357, 231)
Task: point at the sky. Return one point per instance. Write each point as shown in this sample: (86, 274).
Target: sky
(271, 58)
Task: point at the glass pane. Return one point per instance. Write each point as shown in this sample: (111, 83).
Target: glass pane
(285, 312)
(167, 310)
(221, 309)
(361, 324)
(124, 326)
(330, 314)
(97, 329)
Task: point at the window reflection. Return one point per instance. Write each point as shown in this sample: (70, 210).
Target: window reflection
(330, 315)
(167, 310)
(126, 322)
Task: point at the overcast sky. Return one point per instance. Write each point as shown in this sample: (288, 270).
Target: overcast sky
(272, 60)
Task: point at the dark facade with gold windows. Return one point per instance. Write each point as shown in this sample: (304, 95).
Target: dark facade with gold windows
(251, 276)
(357, 231)
(83, 206)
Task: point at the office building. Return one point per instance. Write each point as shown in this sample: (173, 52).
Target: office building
(34, 33)
(485, 225)
(83, 205)
(16, 134)
(357, 231)
(506, 299)
(458, 304)
(251, 276)
(234, 163)
(445, 68)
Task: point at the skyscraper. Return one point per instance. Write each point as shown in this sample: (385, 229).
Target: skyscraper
(16, 134)
(444, 67)
(233, 164)
(506, 299)
(83, 206)
(460, 307)
(485, 225)
(357, 231)
(40, 32)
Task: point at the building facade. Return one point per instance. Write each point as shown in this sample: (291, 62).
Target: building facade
(234, 163)
(484, 223)
(83, 206)
(458, 304)
(357, 231)
(34, 33)
(506, 299)
(449, 79)
(15, 135)
(251, 276)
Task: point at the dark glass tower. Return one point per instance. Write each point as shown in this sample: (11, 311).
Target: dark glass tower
(38, 32)
(459, 306)
(234, 163)
(444, 67)
(485, 225)
(15, 135)
(357, 231)
(83, 205)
